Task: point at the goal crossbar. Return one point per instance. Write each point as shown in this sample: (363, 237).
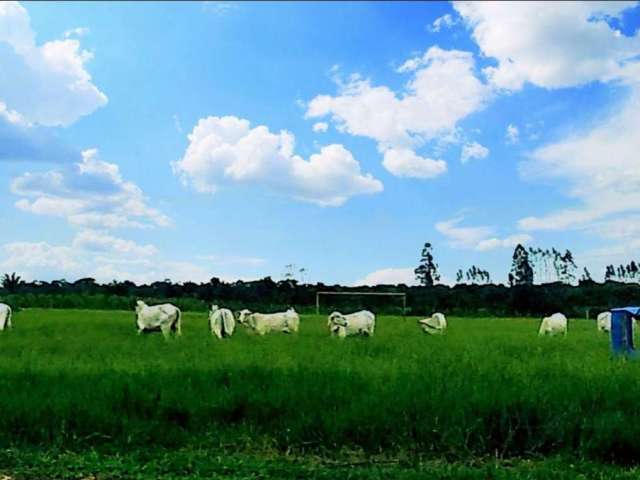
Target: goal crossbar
(378, 294)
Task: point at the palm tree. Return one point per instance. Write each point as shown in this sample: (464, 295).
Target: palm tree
(12, 282)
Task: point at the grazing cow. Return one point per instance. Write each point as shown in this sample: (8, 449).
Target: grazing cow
(263, 323)
(358, 323)
(555, 324)
(5, 316)
(603, 322)
(164, 318)
(434, 325)
(221, 322)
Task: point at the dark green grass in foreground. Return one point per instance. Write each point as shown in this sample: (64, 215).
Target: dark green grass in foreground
(489, 388)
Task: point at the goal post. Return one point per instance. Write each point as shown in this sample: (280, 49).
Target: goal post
(378, 294)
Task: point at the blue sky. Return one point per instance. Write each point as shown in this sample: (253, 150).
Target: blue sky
(190, 140)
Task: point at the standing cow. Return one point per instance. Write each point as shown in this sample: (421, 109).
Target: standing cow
(165, 318)
(221, 322)
(263, 323)
(5, 316)
(553, 325)
(436, 324)
(358, 323)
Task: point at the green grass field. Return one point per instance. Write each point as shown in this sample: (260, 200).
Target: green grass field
(81, 393)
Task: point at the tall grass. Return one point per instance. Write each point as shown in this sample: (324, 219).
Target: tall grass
(487, 387)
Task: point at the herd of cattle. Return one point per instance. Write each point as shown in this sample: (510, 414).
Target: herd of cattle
(167, 318)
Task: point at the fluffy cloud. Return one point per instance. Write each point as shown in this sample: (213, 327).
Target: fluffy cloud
(446, 21)
(100, 241)
(226, 150)
(320, 127)
(570, 44)
(478, 238)
(599, 170)
(89, 193)
(76, 32)
(404, 162)
(512, 134)
(507, 242)
(39, 256)
(42, 261)
(46, 84)
(388, 276)
(462, 237)
(104, 257)
(20, 140)
(443, 89)
(473, 150)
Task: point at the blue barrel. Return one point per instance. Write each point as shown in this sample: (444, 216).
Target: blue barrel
(622, 330)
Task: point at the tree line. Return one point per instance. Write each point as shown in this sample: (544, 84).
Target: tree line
(540, 281)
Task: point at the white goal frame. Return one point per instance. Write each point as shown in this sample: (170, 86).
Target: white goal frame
(379, 294)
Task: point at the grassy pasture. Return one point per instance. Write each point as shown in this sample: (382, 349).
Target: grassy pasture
(489, 388)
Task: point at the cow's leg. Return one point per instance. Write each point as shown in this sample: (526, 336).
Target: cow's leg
(216, 329)
(178, 324)
(166, 330)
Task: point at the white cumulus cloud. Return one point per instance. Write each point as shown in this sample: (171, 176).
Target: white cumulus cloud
(442, 90)
(101, 241)
(76, 32)
(507, 242)
(404, 162)
(567, 45)
(479, 238)
(388, 276)
(446, 21)
(512, 134)
(320, 127)
(599, 170)
(89, 193)
(99, 255)
(227, 151)
(473, 150)
(46, 84)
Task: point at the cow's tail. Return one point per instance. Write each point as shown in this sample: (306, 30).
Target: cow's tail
(177, 324)
(8, 322)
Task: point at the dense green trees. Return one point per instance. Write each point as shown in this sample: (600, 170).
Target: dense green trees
(268, 295)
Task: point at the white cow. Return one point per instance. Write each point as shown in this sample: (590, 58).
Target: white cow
(434, 325)
(221, 322)
(5, 316)
(603, 322)
(263, 323)
(555, 324)
(358, 323)
(165, 318)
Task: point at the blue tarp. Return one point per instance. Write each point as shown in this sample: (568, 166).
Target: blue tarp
(635, 311)
(622, 331)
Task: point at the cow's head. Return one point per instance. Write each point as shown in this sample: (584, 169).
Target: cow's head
(140, 305)
(213, 308)
(243, 316)
(336, 318)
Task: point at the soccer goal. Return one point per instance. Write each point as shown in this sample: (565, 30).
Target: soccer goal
(403, 296)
